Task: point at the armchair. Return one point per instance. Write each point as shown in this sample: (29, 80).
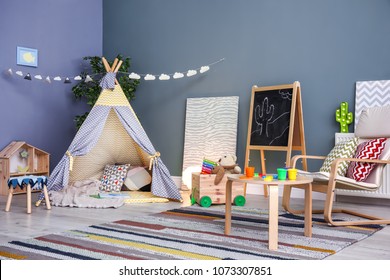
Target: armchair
(372, 125)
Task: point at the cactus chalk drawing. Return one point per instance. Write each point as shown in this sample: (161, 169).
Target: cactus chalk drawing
(263, 115)
(344, 117)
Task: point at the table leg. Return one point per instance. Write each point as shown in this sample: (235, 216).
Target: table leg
(228, 206)
(273, 217)
(28, 198)
(47, 200)
(308, 210)
(9, 200)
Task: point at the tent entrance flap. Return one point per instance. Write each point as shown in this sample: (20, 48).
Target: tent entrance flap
(115, 146)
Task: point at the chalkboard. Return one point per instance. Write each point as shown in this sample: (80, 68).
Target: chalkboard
(270, 120)
(275, 124)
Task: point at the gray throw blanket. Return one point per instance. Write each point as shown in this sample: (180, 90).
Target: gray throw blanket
(79, 194)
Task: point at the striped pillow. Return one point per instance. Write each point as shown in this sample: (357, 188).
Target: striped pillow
(345, 149)
(373, 149)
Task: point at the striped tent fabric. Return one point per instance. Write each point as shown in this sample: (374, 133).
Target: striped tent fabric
(90, 132)
(108, 81)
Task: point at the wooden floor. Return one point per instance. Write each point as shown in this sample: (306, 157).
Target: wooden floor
(17, 224)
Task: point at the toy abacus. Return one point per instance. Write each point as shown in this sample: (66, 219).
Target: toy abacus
(208, 166)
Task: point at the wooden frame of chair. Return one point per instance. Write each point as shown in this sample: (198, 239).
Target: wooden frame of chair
(328, 187)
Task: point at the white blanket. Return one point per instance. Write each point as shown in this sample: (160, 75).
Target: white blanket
(79, 195)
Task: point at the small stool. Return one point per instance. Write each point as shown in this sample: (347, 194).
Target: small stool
(31, 183)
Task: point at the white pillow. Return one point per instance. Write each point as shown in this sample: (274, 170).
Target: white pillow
(136, 178)
(373, 123)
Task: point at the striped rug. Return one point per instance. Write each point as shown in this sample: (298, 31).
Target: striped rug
(190, 233)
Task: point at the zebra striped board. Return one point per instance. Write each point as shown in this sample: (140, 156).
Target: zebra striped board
(190, 233)
(211, 129)
(371, 94)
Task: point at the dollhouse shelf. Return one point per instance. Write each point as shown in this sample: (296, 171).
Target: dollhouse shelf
(21, 159)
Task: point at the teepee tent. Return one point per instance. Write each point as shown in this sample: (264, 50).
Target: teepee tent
(111, 134)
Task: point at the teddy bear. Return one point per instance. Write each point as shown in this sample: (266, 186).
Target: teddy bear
(226, 164)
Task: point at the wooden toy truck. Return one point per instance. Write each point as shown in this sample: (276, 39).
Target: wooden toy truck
(205, 193)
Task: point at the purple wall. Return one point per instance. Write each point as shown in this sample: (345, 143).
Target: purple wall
(63, 31)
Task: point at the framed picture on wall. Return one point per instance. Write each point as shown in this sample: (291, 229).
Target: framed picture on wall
(27, 56)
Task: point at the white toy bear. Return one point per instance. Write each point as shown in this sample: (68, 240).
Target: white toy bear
(226, 164)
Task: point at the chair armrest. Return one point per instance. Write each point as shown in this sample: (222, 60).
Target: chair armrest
(336, 162)
(295, 158)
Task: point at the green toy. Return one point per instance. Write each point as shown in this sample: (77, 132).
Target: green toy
(192, 197)
(344, 117)
(239, 200)
(205, 201)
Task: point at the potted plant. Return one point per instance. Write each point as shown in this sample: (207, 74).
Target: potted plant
(90, 89)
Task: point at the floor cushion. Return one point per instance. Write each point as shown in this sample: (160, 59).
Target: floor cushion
(113, 177)
(137, 177)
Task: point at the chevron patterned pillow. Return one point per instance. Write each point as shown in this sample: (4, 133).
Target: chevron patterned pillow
(359, 171)
(113, 177)
(345, 149)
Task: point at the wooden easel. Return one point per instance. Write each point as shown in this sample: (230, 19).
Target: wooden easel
(263, 135)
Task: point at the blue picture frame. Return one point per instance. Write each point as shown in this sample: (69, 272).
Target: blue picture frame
(27, 56)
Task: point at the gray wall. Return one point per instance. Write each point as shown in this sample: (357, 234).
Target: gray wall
(63, 31)
(326, 45)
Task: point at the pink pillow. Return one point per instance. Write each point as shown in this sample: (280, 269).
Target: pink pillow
(372, 149)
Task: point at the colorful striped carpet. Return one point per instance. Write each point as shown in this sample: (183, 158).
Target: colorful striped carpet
(190, 233)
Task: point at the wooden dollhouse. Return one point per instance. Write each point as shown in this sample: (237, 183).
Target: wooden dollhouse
(21, 159)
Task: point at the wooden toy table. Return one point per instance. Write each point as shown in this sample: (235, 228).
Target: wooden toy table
(273, 203)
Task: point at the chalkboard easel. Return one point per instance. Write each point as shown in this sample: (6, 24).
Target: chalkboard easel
(275, 122)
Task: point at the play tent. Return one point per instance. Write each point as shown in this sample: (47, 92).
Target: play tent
(111, 134)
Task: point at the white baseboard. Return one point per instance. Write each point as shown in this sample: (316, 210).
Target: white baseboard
(259, 190)
(177, 180)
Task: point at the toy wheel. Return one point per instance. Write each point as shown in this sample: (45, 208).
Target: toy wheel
(239, 200)
(205, 201)
(192, 199)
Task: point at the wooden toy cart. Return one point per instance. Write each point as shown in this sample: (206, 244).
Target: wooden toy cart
(205, 193)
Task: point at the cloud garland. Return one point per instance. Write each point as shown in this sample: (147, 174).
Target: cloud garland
(132, 75)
